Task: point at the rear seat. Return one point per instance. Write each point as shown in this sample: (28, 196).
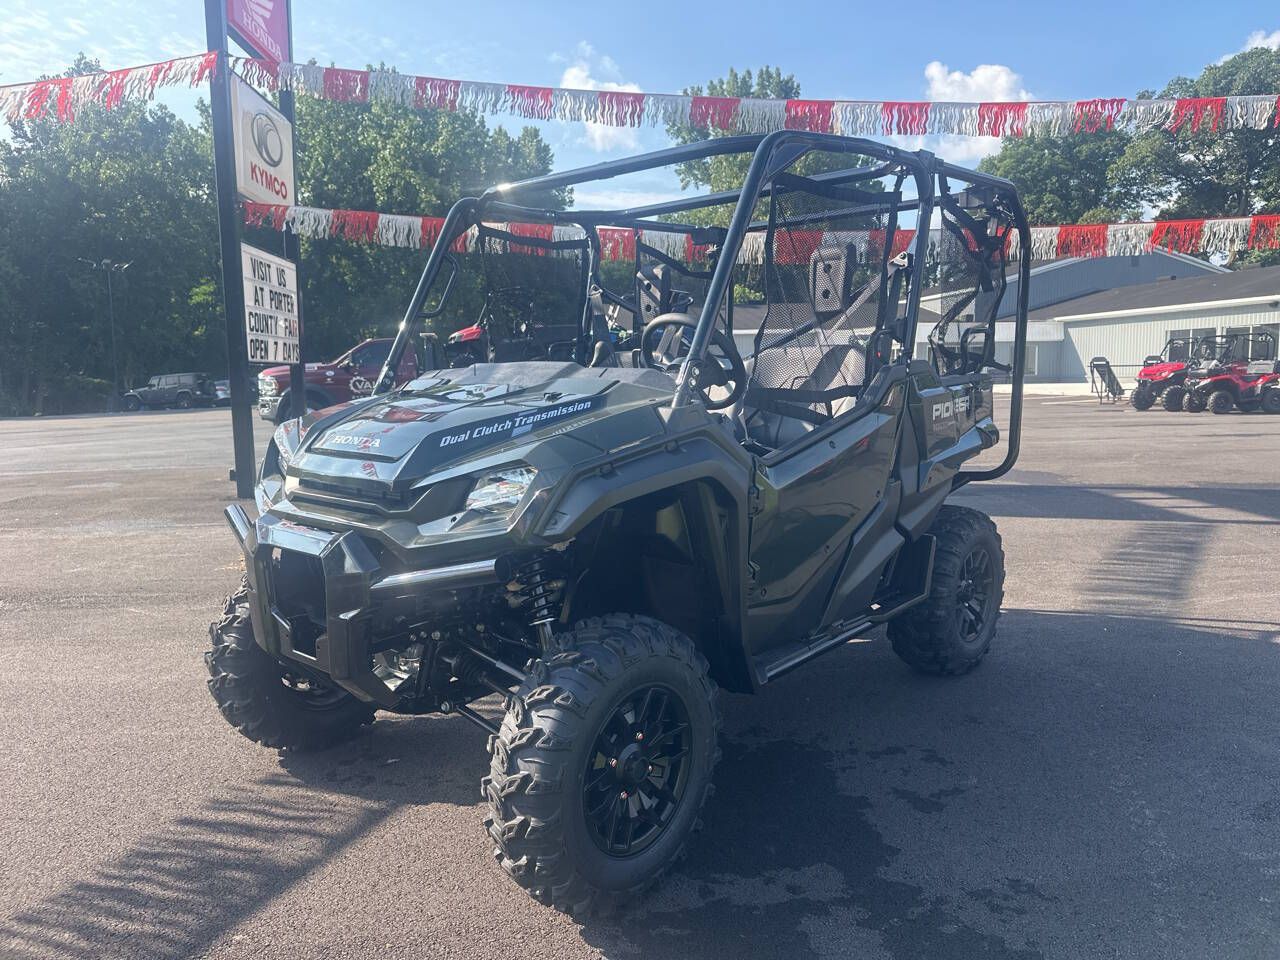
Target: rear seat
(783, 367)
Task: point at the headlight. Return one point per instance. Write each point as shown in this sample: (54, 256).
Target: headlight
(500, 491)
(267, 386)
(494, 496)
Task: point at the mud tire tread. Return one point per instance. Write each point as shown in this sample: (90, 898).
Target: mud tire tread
(532, 758)
(244, 681)
(925, 637)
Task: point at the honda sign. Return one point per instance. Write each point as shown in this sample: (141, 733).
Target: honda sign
(261, 26)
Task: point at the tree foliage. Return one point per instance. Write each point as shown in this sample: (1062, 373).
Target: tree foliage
(1206, 173)
(135, 184)
(1066, 179)
(726, 173)
(1188, 174)
(132, 185)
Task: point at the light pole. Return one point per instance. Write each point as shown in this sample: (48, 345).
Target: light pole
(109, 267)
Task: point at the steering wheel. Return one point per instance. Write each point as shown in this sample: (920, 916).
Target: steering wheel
(664, 344)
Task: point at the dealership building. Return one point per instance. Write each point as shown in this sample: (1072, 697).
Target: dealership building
(1124, 309)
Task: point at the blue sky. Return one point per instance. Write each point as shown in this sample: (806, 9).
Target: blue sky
(967, 51)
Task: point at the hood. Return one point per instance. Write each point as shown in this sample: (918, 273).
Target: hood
(283, 371)
(386, 444)
(1158, 371)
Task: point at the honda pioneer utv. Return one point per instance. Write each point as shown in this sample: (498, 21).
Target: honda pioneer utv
(605, 541)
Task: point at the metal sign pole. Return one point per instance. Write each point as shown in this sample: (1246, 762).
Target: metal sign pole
(215, 21)
(297, 371)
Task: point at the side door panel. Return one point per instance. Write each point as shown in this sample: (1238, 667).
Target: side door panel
(811, 501)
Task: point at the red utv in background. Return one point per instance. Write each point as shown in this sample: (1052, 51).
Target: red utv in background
(1162, 375)
(332, 382)
(1247, 387)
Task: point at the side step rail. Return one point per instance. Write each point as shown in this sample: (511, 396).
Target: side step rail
(909, 584)
(796, 654)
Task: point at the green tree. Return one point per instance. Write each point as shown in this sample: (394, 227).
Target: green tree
(132, 184)
(727, 173)
(395, 159)
(1067, 179)
(135, 184)
(1207, 173)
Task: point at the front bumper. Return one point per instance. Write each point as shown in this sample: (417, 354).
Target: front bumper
(354, 587)
(268, 407)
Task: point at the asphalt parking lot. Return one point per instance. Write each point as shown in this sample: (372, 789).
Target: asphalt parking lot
(1107, 784)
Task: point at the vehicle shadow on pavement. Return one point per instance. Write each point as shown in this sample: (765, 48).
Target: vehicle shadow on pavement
(1095, 772)
(1087, 776)
(179, 890)
(1187, 504)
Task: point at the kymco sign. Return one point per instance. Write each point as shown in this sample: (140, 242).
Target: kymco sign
(264, 147)
(263, 25)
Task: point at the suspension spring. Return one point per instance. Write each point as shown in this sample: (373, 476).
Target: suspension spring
(540, 588)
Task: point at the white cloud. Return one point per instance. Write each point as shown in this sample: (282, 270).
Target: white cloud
(591, 70)
(1259, 38)
(985, 82)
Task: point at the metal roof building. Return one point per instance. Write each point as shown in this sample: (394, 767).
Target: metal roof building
(1130, 323)
(1124, 309)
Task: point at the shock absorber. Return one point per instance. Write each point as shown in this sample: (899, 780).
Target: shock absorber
(539, 585)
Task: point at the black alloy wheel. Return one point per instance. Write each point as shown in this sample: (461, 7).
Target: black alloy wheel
(637, 771)
(974, 594)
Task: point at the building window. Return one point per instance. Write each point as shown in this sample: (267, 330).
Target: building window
(1264, 349)
(1263, 338)
(1178, 345)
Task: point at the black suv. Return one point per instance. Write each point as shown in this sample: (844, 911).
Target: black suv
(604, 540)
(183, 390)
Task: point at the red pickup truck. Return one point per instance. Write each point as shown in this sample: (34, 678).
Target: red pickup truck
(330, 383)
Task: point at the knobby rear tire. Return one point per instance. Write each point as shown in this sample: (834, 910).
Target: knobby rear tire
(929, 636)
(1142, 398)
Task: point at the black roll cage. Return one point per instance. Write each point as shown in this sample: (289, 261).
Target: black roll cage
(772, 154)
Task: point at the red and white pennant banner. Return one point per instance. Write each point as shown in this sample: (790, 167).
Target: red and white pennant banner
(752, 115)
(63, 97)
(1227, 236)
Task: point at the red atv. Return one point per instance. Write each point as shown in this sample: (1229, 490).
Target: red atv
(1162, 375)
(1247, 386)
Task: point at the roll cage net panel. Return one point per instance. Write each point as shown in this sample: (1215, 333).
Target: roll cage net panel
(968, 264)
(834, 274)
(534, 290)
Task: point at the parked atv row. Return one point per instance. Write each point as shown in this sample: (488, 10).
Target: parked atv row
(1217, 374)
(1250, 388)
